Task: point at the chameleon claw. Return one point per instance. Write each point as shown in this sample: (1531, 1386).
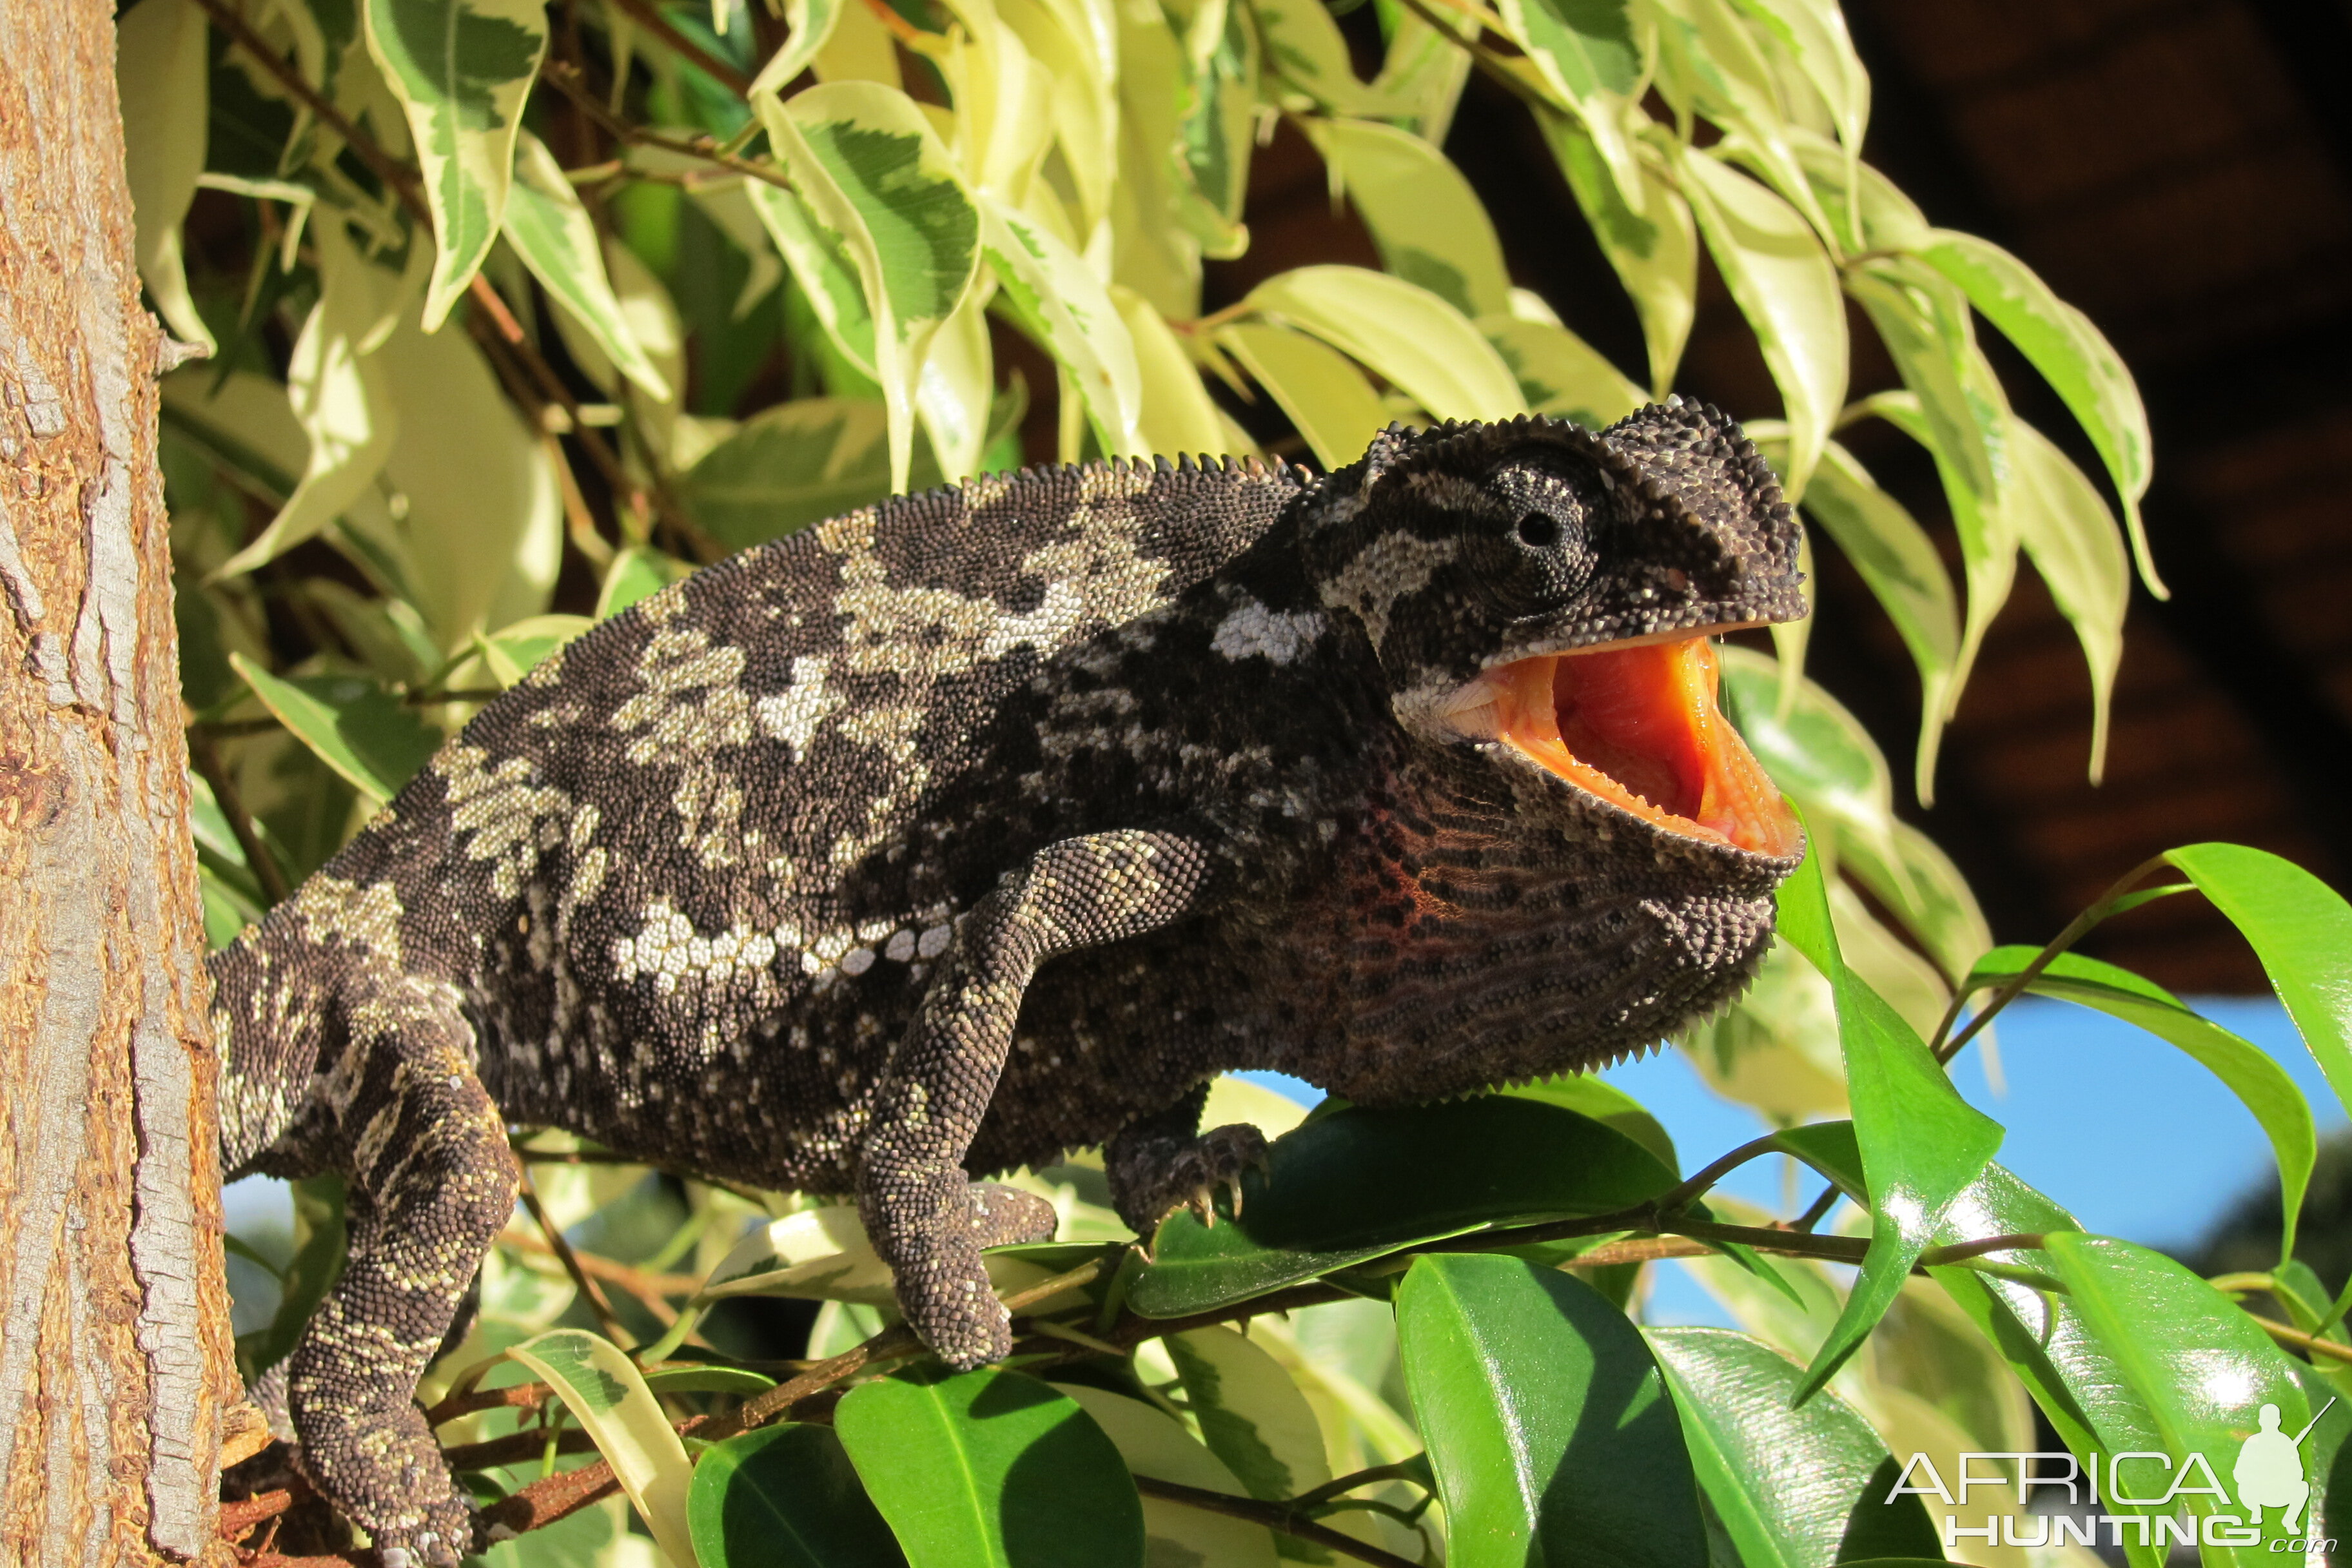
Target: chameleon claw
(1234, 1185)
(1204, 1204)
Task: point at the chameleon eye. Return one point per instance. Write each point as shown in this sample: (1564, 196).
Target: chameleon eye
(1538, 532)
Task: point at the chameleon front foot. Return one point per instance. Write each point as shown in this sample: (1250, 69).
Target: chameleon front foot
(940, 1278)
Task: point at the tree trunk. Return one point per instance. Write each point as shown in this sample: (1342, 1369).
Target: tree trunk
(115, 1354)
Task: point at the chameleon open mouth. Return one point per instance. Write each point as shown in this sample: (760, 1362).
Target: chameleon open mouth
(1637, 725)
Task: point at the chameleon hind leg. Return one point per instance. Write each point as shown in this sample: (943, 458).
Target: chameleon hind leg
(1161, 1162)
(430, 1181)
(912, 1192)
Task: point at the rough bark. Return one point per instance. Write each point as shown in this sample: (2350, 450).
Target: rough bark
(114, 1357)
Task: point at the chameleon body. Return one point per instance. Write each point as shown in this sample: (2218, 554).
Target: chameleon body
(975, 826)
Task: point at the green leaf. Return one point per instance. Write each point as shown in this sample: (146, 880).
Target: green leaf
(785, 1497)
(636, 572)
(160, 72)
(1250, 1413)
(355, 725)
(339, 396)
(2302, 930)
(2198, 1365)
(2071, 537)
(1710, 62)
(1904, 572)
(484, 531)
(2072, 355)
(1177, 414)
(1415, 340)
(1647, 232)
(522, 644)
(1586, 53)
(1560, 373)
(557, 240)
(1155, 1444)
(1057, 298)
(1812, 34)
(991, 1469)
(608, 1396)
(821, 264)
(791, 465)
(1324, 394)
(811, 23)
(1786, 287)
(1550, 1427)
(1793, 1488)
(1606, 1103)
(1426, 220)
(875, 173)
(1921, 1144)
(1986, 524)
(1352, 1185)
(1925, 323)
(958, 389)
(819, 1253)
(1306, 50)
(461, 70)
(2249, 1072)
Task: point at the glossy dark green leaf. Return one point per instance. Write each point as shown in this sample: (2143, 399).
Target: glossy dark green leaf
(1606, 1103)
(785, 1497)
(1549, 1424)
(1921, 1144)
(2302, 930)
(1793, 1488)
(991, 1469)
(2198, 1365)
(1353, 1184)
(2259, 1082)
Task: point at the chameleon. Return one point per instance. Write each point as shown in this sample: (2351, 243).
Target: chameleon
(972, 828)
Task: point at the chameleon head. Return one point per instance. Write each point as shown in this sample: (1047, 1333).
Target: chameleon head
(1554, 593)
(1542, 601)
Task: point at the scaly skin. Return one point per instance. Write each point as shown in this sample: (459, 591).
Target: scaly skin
(976, 826)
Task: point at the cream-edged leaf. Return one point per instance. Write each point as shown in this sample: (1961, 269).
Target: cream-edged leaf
(1325, 395)
(1646, 231)
(346, 409)
(1060, 301)
(875, 173)
(461, 70)
(810, 24)
(1560, 373)
(1251, 1416)
(1428, 222)
(1411, 338)
(958, 389)
(2072, 539)
(608, 1396)
(1177, 415)
(1786, 287)
(2071, 354)
(557, 240)
(158, 68)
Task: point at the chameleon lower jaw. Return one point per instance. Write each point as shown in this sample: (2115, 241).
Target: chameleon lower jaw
(1637, 725)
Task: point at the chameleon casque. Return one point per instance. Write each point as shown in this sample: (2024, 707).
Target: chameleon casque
(975, 826)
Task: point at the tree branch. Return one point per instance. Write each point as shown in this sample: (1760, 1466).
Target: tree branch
(1273, 1515)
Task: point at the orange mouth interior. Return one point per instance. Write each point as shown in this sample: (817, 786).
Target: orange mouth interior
(1639, 727)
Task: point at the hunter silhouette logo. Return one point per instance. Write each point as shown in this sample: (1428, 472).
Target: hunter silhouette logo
(2269, 1472)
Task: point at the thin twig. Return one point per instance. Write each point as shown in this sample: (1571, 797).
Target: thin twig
(1273, 1515)
(1819, 1209)
(708, 64)
(638, 1282)
(2299, 1339)
(205, 758)
(571, 1261)
(565, 78)
(2015, 985)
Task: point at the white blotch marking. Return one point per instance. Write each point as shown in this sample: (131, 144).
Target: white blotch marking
(934, 941)
(1279, 635)
(858, 961)
(901, 947)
